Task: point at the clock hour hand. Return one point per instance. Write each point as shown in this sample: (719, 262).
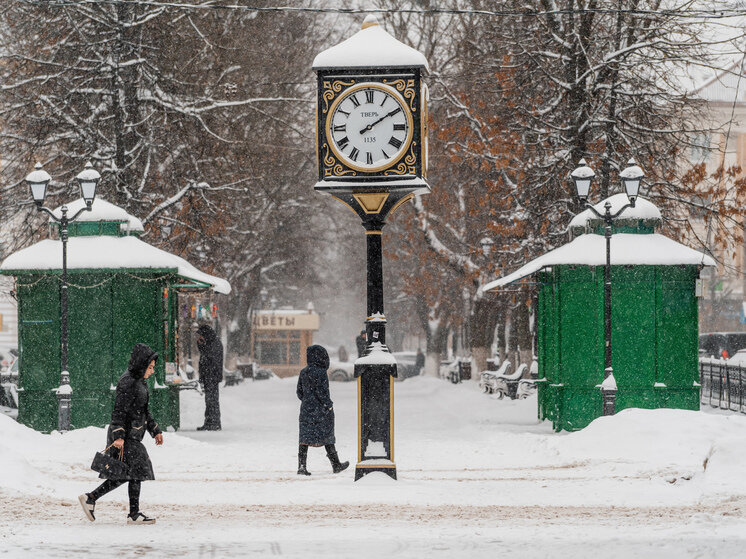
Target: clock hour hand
(384, 117)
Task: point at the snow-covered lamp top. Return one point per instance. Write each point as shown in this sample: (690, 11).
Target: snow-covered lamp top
(101, 210)
(371, 47)
(644, 210)
(88, 180)
(583, 176)
(38, 179)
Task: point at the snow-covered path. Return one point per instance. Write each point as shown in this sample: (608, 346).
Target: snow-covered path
(477, 478)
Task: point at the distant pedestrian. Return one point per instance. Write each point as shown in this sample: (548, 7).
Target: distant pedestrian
(316, 420)
(419, 361)
(210, 375)
(129, 420)
(361, 343)
(342, 354)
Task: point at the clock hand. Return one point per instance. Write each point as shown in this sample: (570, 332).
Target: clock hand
(384, 117)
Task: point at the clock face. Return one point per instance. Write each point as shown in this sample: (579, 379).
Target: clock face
(369, 127)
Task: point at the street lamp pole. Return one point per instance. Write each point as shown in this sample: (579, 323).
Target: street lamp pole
(38, 180)
(631, 178)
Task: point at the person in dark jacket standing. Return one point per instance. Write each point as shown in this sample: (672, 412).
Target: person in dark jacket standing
(419, 361)
(361, 344)
(316, 420)
(210, 375)
(129, 420)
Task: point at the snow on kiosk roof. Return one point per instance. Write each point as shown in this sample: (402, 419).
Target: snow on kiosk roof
(626, 248)
(106, 252)
(101, 210)
(371, 47)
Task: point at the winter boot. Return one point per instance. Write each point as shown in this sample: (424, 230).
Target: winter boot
(302, 455)
(89, 505)
(337, 466)
(139, 518)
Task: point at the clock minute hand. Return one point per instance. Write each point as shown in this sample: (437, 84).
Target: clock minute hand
(384, 117)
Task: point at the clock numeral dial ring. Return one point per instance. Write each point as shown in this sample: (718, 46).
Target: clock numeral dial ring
(369, 127)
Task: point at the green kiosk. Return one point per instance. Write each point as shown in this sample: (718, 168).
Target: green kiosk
(654, 317)
(122, 291)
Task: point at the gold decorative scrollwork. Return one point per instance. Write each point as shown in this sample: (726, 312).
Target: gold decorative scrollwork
(401, 169)
(338, 171)
(332, 166)
(406, 88)
(328, 159)
(331, 90)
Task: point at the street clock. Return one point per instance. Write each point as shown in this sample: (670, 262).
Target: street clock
(371, 111)
(371, 144)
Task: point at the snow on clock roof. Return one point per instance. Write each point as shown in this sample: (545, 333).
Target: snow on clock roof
(371, 47)
(626, 248)
(106, 253)
(101, 210)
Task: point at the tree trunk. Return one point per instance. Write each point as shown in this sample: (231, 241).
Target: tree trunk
(485, 314)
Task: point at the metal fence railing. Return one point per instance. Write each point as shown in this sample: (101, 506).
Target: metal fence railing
(723, 385)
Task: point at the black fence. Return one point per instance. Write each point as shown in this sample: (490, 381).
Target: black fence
(723, 385)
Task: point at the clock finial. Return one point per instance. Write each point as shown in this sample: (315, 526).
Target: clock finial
(369, 21)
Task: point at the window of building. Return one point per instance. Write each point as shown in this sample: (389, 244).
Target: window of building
(277, 347)
(700, 148)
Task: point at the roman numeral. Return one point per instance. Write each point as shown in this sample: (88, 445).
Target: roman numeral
(385, 155)
(343, 142)
(395, 142)
(385, 97)
(340, 127)
(354, 153)
(369, 158)
(369, 96)
(343, 112)
(396, 110)
(354, 100)
(399, 127)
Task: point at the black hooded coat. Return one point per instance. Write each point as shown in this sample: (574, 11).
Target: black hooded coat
(316, 420)
(131, 417)
(210, 356)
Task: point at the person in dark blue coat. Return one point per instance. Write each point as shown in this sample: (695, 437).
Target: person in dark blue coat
(316, 420)
(130, 419)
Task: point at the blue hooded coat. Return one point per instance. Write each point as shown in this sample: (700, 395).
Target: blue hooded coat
(316, 420)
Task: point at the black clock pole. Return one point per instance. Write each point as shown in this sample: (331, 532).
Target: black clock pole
(376, 330)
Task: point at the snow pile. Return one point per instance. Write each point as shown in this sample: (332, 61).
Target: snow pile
(672, 445)
(16, 473)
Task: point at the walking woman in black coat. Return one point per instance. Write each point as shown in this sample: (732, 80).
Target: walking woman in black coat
(129, 420)
(316, 421)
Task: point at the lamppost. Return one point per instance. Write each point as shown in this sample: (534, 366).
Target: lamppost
(38, 180)
(631, 178)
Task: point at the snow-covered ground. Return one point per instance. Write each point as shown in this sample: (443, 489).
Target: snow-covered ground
(477, 478)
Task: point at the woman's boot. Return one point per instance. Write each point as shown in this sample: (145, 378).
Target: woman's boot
(302, 456)
(337, 466)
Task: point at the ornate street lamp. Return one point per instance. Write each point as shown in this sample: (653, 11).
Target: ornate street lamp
(631, 178)
(38, 180)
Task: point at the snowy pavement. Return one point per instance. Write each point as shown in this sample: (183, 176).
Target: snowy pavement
(477, 478)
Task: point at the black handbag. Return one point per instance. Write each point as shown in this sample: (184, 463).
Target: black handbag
(110, 466)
